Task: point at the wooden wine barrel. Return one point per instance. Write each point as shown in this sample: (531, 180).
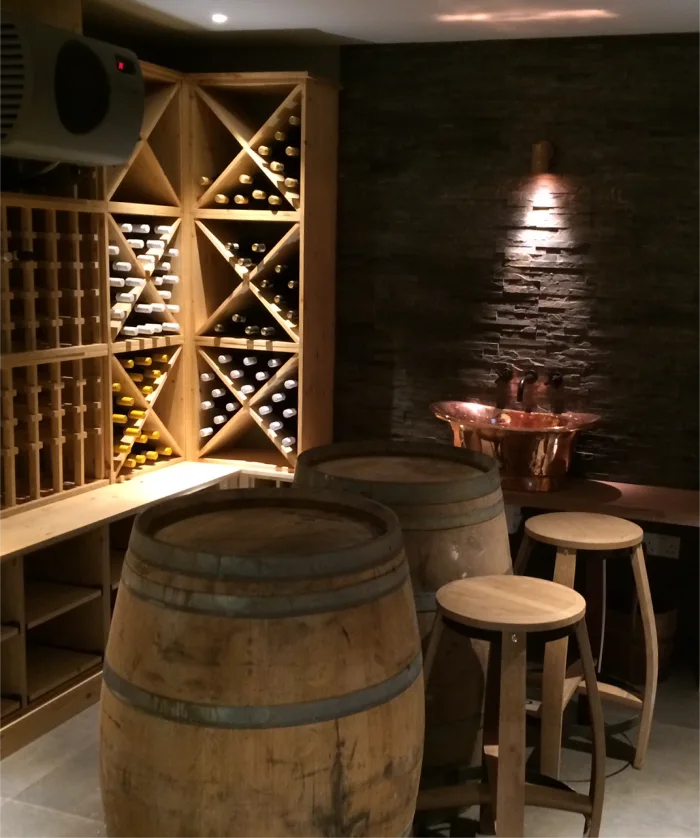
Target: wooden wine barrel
(450, 506)
(263, 675)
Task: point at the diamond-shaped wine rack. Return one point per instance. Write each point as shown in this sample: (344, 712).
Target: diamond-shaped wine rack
(247, 239)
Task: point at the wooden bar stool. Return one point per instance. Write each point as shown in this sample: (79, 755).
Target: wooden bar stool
(570, 532)
(504, 610)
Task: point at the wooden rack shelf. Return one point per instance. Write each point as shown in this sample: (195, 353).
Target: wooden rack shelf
(49, 667)
(46, 600)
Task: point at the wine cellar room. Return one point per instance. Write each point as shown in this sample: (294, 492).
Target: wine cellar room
(336, 340)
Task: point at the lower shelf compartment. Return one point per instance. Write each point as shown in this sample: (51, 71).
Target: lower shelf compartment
(46, 600)
(48, 667)
(8, 706)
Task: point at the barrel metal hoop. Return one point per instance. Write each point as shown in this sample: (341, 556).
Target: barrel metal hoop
(263, 607)
(307, 473)
(261, 717)
(348, 560)
(452, 522)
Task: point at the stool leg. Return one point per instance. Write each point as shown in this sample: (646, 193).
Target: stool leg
(523, 555)
(553, 677)
(597, 787)
(510, 781)
(489, 761)
(432, 647)
(651, 648)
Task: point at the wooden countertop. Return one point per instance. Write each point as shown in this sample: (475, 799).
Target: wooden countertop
(657, 504)
(40, 527)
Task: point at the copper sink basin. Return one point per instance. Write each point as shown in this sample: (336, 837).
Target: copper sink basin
(533, 449)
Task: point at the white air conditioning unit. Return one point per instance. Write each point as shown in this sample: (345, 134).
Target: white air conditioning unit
(67, 98)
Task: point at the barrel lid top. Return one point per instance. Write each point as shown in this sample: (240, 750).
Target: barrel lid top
(401, 471)
(241, 528)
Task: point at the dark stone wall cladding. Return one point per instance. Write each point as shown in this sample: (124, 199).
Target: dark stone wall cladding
(453, 260)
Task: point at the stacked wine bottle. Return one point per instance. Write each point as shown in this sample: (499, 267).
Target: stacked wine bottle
(279, 414)
(281, 156)
(149, 242)
(140, 446)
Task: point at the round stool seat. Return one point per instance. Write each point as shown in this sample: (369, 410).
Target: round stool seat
(584, 531)
(510, 603)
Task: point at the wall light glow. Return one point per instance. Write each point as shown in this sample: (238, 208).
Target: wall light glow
(217, 17)
(527, 16)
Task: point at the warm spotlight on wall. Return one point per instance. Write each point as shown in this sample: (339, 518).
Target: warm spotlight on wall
(541, 157)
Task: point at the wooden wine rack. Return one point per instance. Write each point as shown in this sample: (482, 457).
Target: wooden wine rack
(72, 350)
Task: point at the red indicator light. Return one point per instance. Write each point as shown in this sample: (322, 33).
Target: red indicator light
(120, 65)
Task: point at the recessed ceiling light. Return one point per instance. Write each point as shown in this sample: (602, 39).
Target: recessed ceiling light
(527, 16)
(217, 17)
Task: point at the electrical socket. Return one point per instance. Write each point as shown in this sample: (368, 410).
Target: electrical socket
(662, 546)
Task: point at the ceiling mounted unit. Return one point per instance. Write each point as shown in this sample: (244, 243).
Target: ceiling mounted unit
(67, 98)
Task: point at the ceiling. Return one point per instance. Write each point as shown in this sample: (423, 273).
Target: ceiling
(395, 21)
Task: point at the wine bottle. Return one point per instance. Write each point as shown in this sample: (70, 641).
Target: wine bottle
(247, 389)
(129, 331)
(293, 316)
(289, 441)
(147, 389)
(123, 448)
(245, 179)
(172, 252)
(239, 318)
(134, 282)
(143, 308)
(220, 198)
(275, 200)
(280, 269)
(278, 300)
(241, 200)
(203, 180)
(278, 397)
(264, 150)
(262, 375)
(125, 401)
(163, 229)
(132, 432)
(136, 377)
(137, 414)
(225, 359)
(152, 455)
(268, 331)
(292, 183)
(267, 283)
(259, 194)
(258, 247)
(170, 279)
(118, 314)
(134, 244)
(294, 120)
(116, 387)
(166, 295)
(130, 462)
(112, 250)
(292, 151)
(231, 407)
(143, 360)
(173, 308)
(126, 228)
(251, 331)
(276, 425)
(280, 136)
(157, 308)
(264, 410)
(250, 360)
(219, 419)
(206, 376)
(171, 327)
(119, 418)
(289, 412)
(207, 404)
(234, 374)
(277, 167)
(291, 384)
(219, 329)
(164, 450)
(126, 297)
(293, 284)
(218, 392)
(274, 363)
(122, 267)
(205, 432)
(140, 458)
(116, 282)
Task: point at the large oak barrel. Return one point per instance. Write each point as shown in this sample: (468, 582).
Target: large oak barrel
(450, 506)
(263, 672)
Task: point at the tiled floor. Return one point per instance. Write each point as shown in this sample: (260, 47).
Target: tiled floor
(51, 787)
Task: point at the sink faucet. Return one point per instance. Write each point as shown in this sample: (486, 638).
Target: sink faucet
(530, 376)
